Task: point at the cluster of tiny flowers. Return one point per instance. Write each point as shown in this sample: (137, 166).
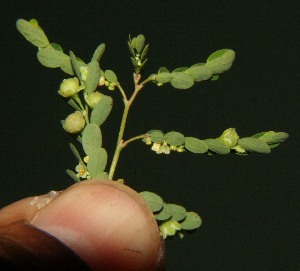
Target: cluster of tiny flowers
(163, 147)
(81, 169)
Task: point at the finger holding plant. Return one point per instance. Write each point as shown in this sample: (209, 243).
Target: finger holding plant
(84, 91)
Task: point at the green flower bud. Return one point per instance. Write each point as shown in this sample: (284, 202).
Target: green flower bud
(101, 81)
(169, 228)
(94, 98)
(69, 87)
(229, 137)
(74, 123)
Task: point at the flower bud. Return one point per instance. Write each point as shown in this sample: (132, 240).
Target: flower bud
(101, 81)
(74, 123)
(94, 98)
(229, 137)
(69, 87)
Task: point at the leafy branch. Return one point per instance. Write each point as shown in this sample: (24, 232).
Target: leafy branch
(92, 108)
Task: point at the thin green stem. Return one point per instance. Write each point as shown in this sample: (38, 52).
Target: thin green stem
(122, 91)
(120, 143)
(125, 143)
(150, 78)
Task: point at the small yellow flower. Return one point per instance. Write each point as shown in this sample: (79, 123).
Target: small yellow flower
(82, 171)
(161, 148)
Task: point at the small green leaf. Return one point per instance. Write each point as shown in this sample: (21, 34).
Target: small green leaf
(215, 77)
(165, 213)
(254, 145)
(258, 135)
(195, 145)
(110, 76)
(220, 61)
(91, 138)
(272, 146)
(181, 80)
(97, 162)
(144, 53)
(51, 58)
(73, 175)
(101, 110)
(34, 34)
(199, 73)
(163, 77)
(102, 176)
(191, 222)
(75, 152)
(178, 212)
(57, 47)
(174, 138)
(93, 77)
(154, 201)
(75, 65)
(273, 137)
(217, 146)
(139, 43)
(98, 52)
(74, 105)
(180, 69)
(66, 66)
(163, 69)
(156, 136)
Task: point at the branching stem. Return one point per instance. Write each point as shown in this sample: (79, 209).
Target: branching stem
(127, 103)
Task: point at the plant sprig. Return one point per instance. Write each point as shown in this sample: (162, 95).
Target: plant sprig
(92, 109)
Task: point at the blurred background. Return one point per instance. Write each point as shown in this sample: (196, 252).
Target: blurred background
(249, 205)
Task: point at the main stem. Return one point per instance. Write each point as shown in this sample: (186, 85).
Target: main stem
(120, 143)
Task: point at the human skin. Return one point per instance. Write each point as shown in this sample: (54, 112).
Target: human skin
(104, 222)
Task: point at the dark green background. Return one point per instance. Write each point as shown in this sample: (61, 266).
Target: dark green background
(249, 205)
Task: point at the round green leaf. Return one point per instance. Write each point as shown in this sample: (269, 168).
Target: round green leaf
(180, 69)
(191, 222)
(182, 80)
(254, 145)
(139, 43)
(97, 163)
(217, 146)
(91, 138)
(154, 201)
(165, 213)
(163, 69)
(51, 58)
(101, 110)
(174, 138)
(34, 34)
(273, 137)
(156, 136)
(220, 61)
(93, 77)
(199, 73)
(178, 212)
(163, 77)
(195, 145)
(110, 76)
